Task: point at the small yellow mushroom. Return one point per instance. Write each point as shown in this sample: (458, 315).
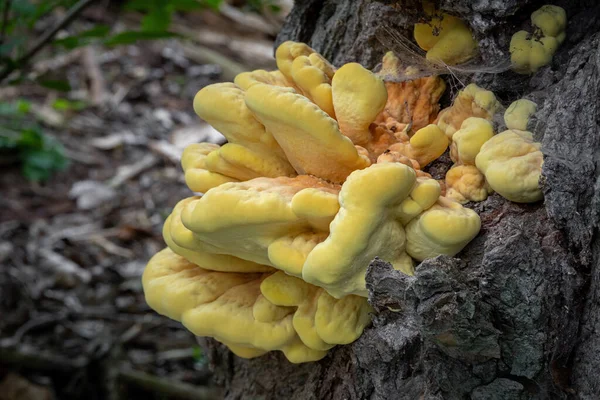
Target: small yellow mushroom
(531, 51)
(466, 183)
(445, 228)
(517, 115)
(472, 101)
(528, 54)
(426, 145)
(551, 20)
(512, 163)
(446, 38)
(467, 141)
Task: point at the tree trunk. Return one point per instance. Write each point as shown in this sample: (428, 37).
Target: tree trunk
(515, 315)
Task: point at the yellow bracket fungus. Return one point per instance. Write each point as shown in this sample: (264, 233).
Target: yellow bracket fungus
(243, 218)
(197, 176)
(251, 151)
(286, 53)
(531, 51)
(321, 174)
(246, 80)
(253, 313)
(314, 82)
(512, 163)
(362, 229)
(182, 242)
(309, 137)
(446, 38)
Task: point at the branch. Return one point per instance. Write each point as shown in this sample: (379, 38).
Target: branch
(45, 38)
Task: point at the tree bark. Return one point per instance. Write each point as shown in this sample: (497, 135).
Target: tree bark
(515, 315)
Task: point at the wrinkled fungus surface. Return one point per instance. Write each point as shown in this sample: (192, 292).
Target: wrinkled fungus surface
(321, 174)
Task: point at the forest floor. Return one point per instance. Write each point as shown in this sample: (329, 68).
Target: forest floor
(73, 319)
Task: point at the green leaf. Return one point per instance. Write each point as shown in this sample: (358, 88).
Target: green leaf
(197, 354)
(84, 38)
(130, 37)
(186, 5)
(33, 173)
(14, 109)
(23, 106)
(55, 84)
(30, 139)
(157, 20)
(38, 165)
(97, 31)
(214, 4)
(68, 105)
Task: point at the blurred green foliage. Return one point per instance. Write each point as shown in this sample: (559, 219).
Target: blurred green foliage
(39, 154)
(21, 139)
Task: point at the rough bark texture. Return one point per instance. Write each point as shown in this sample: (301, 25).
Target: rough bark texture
(516, 314)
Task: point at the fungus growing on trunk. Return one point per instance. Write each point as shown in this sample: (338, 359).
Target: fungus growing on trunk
(321, 174)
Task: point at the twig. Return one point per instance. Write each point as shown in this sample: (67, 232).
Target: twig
(112, 248)
(126, 172)
(40, 359)
(41, 321)
(45, 38)
(97, 84)
(5, 13)
(64, 267)
(254, 51)
(169, 387)
(201, 54)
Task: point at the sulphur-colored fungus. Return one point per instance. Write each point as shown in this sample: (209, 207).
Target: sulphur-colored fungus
(322, 173)
(512, 163)
(445, 37)
(531, 51)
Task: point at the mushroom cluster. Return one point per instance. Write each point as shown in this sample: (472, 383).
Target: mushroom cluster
(445, 38)
(322, 172)
(531, 51)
